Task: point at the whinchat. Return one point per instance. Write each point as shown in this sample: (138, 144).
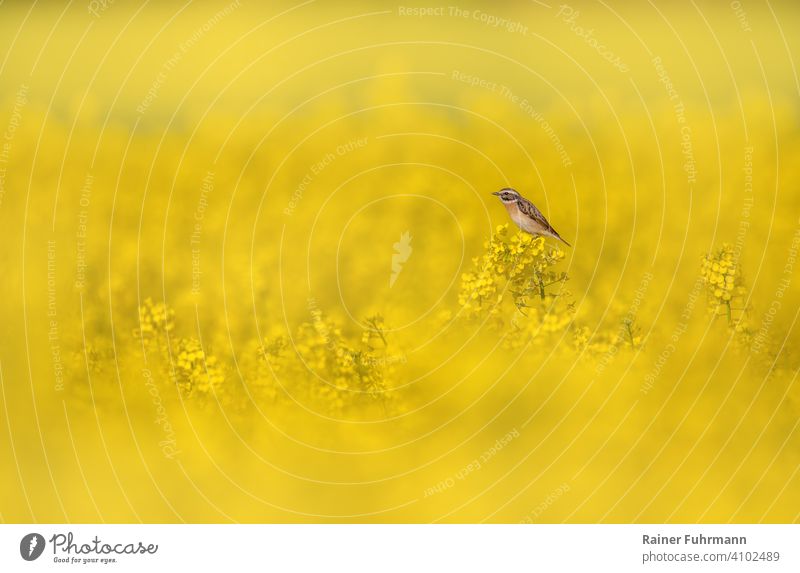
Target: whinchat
(525, 214)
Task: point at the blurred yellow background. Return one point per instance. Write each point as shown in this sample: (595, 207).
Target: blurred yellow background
(235, 235)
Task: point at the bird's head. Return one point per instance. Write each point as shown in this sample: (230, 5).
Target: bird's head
(507, 195)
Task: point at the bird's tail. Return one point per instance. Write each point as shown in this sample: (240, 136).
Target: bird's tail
(557, 236)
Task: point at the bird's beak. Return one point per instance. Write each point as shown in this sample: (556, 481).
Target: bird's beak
(496, 193)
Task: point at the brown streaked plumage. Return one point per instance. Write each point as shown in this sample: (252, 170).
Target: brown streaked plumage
(525, 214)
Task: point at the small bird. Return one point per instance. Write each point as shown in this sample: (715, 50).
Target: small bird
(525, 214)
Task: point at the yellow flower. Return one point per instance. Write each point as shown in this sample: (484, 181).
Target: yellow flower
(725, 287)
(154, 319)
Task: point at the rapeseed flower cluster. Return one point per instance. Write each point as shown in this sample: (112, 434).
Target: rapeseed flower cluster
(320, 365)
(155, 319)
(623, 333)
(264, 364)
(725, 288)
(519, 268)
(518, 263)
(600, 341)
(196, 371)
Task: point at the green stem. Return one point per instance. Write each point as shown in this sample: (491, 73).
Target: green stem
(630, 333)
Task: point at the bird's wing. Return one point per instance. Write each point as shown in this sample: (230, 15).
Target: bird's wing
(529, 209)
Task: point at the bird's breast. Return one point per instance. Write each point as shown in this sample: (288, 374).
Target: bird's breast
(520, 219)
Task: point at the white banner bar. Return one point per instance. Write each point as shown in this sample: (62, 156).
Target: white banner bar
(401, 548)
